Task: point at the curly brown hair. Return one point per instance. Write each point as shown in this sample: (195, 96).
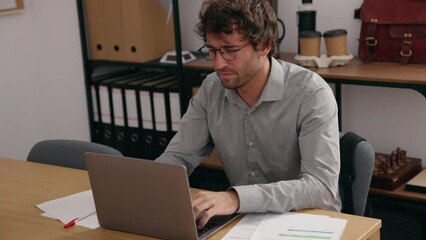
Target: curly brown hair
(255, 19)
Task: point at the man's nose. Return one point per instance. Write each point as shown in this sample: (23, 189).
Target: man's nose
(219, 62)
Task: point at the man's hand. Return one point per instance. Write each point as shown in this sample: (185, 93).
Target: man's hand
(214, 203)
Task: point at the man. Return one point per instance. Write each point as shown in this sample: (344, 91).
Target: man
(273, 124)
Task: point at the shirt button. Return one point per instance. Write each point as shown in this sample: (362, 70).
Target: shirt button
(253, 173)
(250, 144)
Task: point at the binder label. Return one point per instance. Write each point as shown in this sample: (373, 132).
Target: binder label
(131, 107)
(145, 102)
(104, 101)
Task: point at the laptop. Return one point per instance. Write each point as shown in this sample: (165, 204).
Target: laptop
(146, 198)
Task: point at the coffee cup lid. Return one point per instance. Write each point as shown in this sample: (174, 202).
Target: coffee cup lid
(335, 33)
(309, 34)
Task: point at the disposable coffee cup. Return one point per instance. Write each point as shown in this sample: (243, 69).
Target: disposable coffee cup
(335, 42)
(310, 43)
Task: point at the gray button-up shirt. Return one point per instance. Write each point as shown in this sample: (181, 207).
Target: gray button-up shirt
(280, 154)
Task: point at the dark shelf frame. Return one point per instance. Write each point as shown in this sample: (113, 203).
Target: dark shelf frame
(89, 66)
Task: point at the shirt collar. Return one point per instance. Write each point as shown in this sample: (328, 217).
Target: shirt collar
(273, 90)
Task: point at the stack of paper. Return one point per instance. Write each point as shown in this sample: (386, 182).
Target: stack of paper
(80, 206)
(418, 183)
(287, 226)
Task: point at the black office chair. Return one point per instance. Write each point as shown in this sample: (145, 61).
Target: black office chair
(356, 170)
(67, 153)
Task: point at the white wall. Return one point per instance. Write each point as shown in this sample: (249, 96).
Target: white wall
(42, 88)
(42, 91)
(386, 117)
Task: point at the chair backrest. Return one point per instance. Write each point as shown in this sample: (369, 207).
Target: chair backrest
(66, 153)
(359, 158)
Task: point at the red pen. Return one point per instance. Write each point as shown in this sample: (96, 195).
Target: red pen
(72, 222)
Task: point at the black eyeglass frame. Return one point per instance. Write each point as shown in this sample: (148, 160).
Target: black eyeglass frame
(221, 50)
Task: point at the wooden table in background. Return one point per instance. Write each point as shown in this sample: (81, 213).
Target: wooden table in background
(356, 72)
(381, 74)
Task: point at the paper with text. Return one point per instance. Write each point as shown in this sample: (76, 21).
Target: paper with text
(288, 226)
(245, 229)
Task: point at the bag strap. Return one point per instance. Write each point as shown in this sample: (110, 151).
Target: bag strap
(348, 144)
(406, 50)
(371, 41)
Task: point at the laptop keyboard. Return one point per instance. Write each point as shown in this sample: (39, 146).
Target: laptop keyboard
(214, 224)
(205, 229)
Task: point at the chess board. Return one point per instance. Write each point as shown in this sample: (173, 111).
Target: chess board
(391, 171)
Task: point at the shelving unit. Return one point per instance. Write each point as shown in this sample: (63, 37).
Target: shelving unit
(91, 66)
(203, 177)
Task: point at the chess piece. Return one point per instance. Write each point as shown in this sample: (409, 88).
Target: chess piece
(391, 171)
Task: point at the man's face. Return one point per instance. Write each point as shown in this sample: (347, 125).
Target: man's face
(236, 73)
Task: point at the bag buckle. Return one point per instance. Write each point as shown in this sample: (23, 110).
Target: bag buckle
(371, 41)
(407, 42)
(406, 54)
(410, 52)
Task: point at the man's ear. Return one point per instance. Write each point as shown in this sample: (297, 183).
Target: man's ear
(266, 46)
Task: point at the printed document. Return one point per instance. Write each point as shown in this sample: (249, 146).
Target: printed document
(288, 226)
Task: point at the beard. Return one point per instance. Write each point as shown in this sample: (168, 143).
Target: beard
(234, 79)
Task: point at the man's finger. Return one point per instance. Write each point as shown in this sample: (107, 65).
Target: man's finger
(206, 217)
(201, 207)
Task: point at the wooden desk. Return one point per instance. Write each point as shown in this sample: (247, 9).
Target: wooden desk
(356, 72)
(25, 184)
(381, 74)
(400, 193)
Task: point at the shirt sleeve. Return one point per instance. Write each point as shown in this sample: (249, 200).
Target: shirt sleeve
(192, 143)
(317, 185)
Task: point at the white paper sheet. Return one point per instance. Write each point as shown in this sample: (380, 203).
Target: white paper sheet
(245, 228)
(70, 207)
(288, 226)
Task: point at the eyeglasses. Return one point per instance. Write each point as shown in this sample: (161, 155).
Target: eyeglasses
(228, 53)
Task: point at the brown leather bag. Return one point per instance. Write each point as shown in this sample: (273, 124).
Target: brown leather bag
(393, 30)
